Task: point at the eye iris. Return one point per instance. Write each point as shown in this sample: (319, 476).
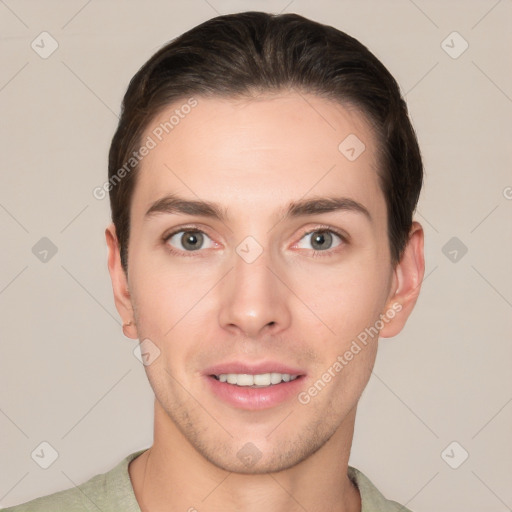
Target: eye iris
(321, 238)
(192, 237)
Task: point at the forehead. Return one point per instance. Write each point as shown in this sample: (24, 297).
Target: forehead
(259, 152)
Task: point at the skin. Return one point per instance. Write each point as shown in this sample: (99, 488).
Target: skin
(253, 157)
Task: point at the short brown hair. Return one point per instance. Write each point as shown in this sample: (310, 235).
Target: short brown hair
(238, 54)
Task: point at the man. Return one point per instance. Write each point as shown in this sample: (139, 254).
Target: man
(262, 180)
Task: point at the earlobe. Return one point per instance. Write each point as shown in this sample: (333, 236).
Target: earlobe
(407, 279)
(122, 297)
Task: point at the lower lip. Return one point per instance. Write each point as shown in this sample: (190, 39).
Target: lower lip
(245, 397)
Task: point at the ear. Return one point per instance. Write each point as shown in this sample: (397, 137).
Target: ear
(406, 284)
(120, 283)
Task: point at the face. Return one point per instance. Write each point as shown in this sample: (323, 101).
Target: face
(252, 304)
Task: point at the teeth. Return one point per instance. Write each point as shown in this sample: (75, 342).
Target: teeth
(263, 379)
(259, 380)
(244, 380)
(275, 378)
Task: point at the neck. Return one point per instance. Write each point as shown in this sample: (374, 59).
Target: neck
(172, 475)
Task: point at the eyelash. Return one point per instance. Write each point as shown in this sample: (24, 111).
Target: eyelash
(314, 254)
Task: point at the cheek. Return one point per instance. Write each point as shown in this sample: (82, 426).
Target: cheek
(347, 298)
(350, 307)
(163, 291)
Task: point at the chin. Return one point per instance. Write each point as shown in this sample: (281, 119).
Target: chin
(252, 457)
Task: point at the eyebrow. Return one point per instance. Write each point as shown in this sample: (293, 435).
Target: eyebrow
(174, 204)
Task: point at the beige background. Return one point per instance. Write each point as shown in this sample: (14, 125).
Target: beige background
(69, 376)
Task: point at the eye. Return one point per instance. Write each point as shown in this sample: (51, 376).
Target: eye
(188, 240)
(321, 240)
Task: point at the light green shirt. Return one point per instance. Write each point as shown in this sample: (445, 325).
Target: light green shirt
(113, 492)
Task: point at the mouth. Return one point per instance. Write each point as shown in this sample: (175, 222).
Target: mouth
(255, 386)
(259, 380)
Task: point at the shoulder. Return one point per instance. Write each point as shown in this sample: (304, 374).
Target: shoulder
(69, 500)
(372, 500)
(101, 492)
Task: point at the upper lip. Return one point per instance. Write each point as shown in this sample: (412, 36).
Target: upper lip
(240, 367)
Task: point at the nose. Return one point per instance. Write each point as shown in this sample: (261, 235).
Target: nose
(254, 301)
